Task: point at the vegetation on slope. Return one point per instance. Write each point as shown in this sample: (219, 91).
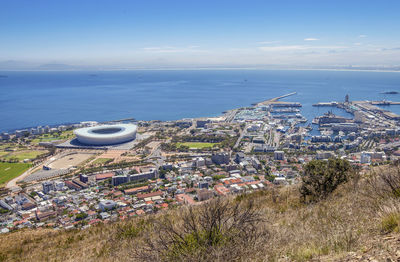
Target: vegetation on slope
(356, 221)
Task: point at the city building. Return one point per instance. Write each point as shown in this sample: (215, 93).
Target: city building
(107, 205)
(47, 187)
(279, 155)
(203, 184)
(199, 162)
(365, 158)
(202, 123)
(324, 155)
(122, 179)
(220, 158)
(83, 178)
(239, 157)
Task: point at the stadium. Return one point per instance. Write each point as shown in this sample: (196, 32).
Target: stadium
(106, 134)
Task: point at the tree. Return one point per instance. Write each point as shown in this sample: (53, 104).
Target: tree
(81, 216)
(218, 177)
(321, 178)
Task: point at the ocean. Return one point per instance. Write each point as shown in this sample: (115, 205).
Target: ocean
(29, 99)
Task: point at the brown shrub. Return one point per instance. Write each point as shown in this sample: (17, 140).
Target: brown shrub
(215, 231)
(384, 182)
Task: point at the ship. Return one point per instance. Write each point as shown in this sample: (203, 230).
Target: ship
(390, 93)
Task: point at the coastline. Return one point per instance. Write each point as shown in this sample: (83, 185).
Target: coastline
(172, 96)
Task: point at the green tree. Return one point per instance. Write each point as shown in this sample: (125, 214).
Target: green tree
(321, 178)
(81, 216)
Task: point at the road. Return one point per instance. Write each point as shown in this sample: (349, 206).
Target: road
(156, 156)
(241, 134)
(12, 184)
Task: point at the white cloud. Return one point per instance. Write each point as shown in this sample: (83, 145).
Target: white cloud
(362, 36)
(311, 39)
(296, 48)
(357, 44)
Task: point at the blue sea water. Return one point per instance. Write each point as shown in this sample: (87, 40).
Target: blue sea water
(30, 99)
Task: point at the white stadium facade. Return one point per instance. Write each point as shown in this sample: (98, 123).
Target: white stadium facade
(106, 134)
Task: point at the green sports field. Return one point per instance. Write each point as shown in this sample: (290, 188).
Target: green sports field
(22, 155)
(9, 171)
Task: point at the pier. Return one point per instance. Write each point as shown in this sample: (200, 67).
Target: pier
(119, 120)
(384, 103)
(333, 103)
(275, 100)
(280, 97)
(285, 104)
(285, 110)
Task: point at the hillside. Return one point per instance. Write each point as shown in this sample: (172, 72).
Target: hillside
(359, 221)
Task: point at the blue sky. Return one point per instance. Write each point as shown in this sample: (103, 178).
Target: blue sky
(168, 32)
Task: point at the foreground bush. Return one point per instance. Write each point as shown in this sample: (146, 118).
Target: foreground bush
(215, 231)
(322, 177)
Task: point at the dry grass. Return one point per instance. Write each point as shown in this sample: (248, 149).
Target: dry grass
(349, 222)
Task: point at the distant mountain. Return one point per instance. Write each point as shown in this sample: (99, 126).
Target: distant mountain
(161, 64)
(16, 65)
(56, 67)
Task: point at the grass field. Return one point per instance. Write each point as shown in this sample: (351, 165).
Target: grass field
(50, 137)
(21, 155)
(197, 145)
(102, 161)
(9, 171)
(3, 153)
(28, 154)
(7, 145)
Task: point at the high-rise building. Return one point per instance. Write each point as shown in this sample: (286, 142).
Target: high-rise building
(203, 184)
(365, 158)
(279, 155)
(83, 178)
(47, 187)
(118, 180)
(220, 158)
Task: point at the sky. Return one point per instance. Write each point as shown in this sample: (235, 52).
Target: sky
(150, 33)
